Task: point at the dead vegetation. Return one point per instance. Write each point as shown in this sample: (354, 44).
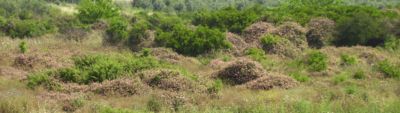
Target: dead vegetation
(241, 71)
(272, 82)
(254, 32)
(166, 80)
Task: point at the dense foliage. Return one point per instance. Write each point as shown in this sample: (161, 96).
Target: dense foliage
(230, 18)
(33, 18)
(193, 42)
(196, 5)
(317, 61)
(91, 11)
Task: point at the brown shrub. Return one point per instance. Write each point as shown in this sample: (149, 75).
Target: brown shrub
(166, 54)
(283, 48)
(320, 32)
(294, 32)
(25, 62)
(253, 33)
(166, 80)
(100, 25)
(272, 82)
(239, 45)
(119, 87)
(241, 71)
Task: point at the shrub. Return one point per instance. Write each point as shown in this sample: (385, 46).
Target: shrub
(340, 78)
(361, 29)
(91, 11)
(348, 60)
(42, 78)
(193, 43)
(269, 40)
(256, 54)
(137, 34)
(300, 77)
(360, 74)
(216, 86)
(117, 31)
(317, 61)
(23, 47)
(154, 105)
(351, 89)
(389, 69)
(29, 28)
(230, 19)
(392, 44)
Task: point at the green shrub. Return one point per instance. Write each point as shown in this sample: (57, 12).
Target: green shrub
(351, 89)
(340, 78)
(71, 75)
(23, 47)
(302, 11)
(348, 60)
(359, 74)
(29, 28)
(216, 86)
(91, 11)
(256, 54)
(230, 18)
(361, 29)
(389, 69)
(137, 33)
(117, 31)
(317, 61)
(44, 79)
(300, 76)
(270, 40)
(189, 42)
(392, 44)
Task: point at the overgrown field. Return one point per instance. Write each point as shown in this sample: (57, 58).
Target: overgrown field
(199, 56)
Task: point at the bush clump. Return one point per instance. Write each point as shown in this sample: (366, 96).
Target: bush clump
(271, 82)
(241, 71)
(117, 31)
(91, 11)
(361, 29)
(317, 61)
(389, 69)
(29, 28)
(230, 18)
(277, 45)
(189, 42)
(348, 59)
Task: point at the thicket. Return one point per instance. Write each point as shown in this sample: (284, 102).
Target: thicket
(193, 42)
(197, 5)
(26, 18)
(228, 19)
(117, 30)
(98, 68)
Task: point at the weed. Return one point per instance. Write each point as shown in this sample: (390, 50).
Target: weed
(300, 76)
